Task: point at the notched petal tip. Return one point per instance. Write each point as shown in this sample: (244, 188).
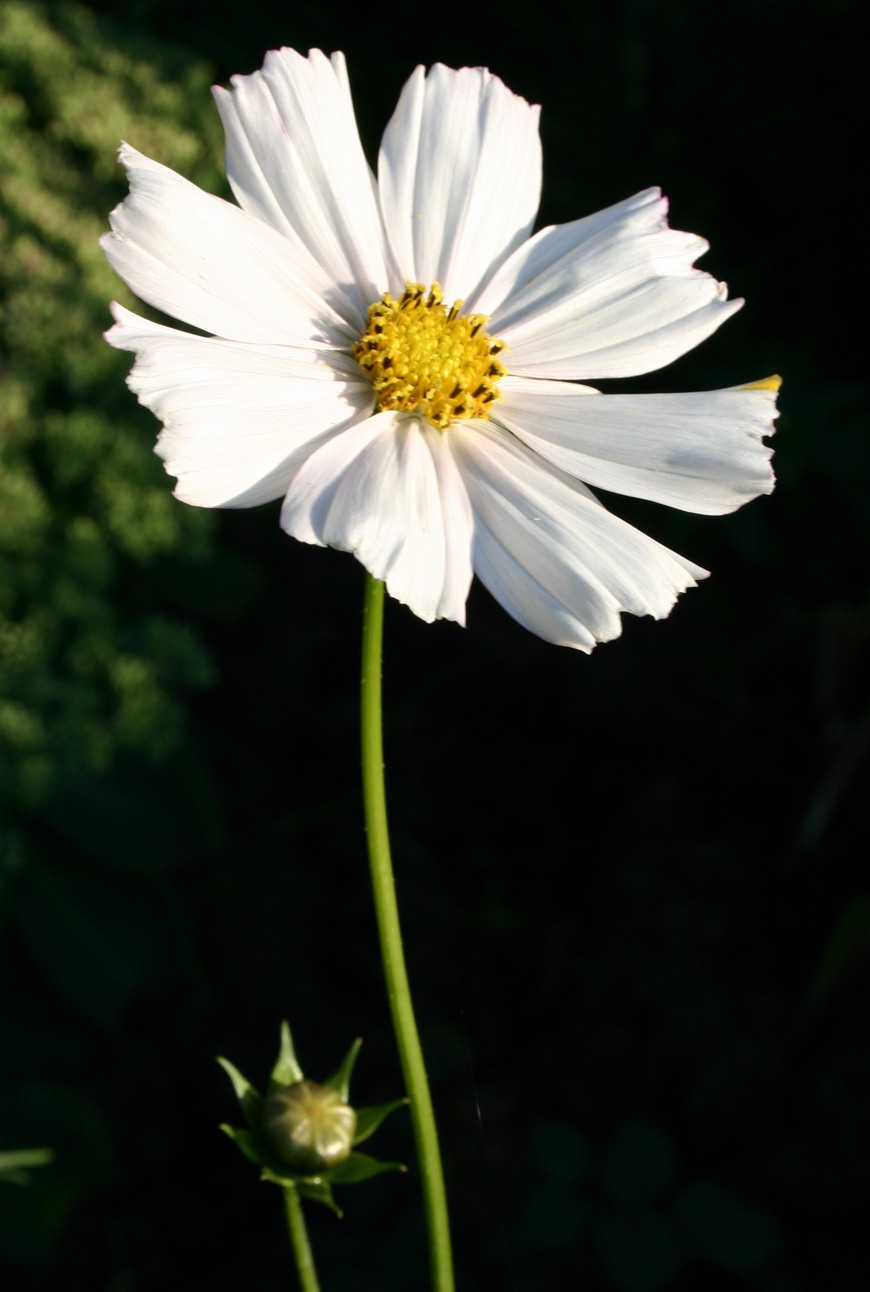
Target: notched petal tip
(128, 156)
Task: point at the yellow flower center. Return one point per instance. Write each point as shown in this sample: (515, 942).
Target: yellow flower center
(423, 358)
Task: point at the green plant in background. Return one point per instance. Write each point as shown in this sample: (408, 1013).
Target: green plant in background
(100, 572)
(15, 1166)
(626, 1199)
(93, 657)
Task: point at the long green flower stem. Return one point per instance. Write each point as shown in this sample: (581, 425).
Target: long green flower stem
(398, 988)
(299, 1238)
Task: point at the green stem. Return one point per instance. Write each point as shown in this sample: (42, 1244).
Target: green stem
(299, 1238)
(398, 988)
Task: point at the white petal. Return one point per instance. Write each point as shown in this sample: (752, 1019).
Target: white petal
(460, 177)
(237, 418)
(388, 492)
(294, 159)
(561, 564)
(204, 261)
(612, 295)
(700, 452)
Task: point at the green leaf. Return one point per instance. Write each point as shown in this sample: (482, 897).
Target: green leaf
(369, 1119)
(359, 1167)
(14, 1161)
(250, 1099)
(725, 1227)
(99, 938)
(639, 1163)
(319, 1191)
(277, 1175)
(246, 1141)
(286, 1071)
(636, 1249)
(130, 819)
(33, 1219)
(340, 1080)
(270, 1168)
(847, 947)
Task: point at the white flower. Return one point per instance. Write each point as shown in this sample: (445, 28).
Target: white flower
(429, 441)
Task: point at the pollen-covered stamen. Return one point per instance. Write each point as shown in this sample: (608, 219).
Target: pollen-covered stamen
(423, 358)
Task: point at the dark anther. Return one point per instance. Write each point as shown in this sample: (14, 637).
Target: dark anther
(459, 410)
(476, 329)
(455, 391)
(476, 394)
(388, 363)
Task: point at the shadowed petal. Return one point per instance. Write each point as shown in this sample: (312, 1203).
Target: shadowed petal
(700, 452)
(557, 560)
(388, 492)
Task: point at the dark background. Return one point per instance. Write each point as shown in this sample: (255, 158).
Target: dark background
(633, 885)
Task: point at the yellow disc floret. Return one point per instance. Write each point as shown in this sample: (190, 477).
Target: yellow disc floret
(425, 359)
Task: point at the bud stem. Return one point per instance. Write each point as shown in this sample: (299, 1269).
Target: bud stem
(299, 1238)
(387, 911)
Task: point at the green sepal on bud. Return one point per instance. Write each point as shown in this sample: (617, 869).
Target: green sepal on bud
(302, 1133)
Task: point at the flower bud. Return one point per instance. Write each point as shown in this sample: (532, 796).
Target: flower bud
(308, 1126)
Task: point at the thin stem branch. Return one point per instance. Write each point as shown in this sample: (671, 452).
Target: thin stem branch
(398, 988)
(299, 1238)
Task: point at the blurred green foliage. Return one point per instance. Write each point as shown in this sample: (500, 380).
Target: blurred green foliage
(94, 553)
(100, 573)
(643, 1222)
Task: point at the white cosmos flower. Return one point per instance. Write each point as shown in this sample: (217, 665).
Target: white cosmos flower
(430, 441)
